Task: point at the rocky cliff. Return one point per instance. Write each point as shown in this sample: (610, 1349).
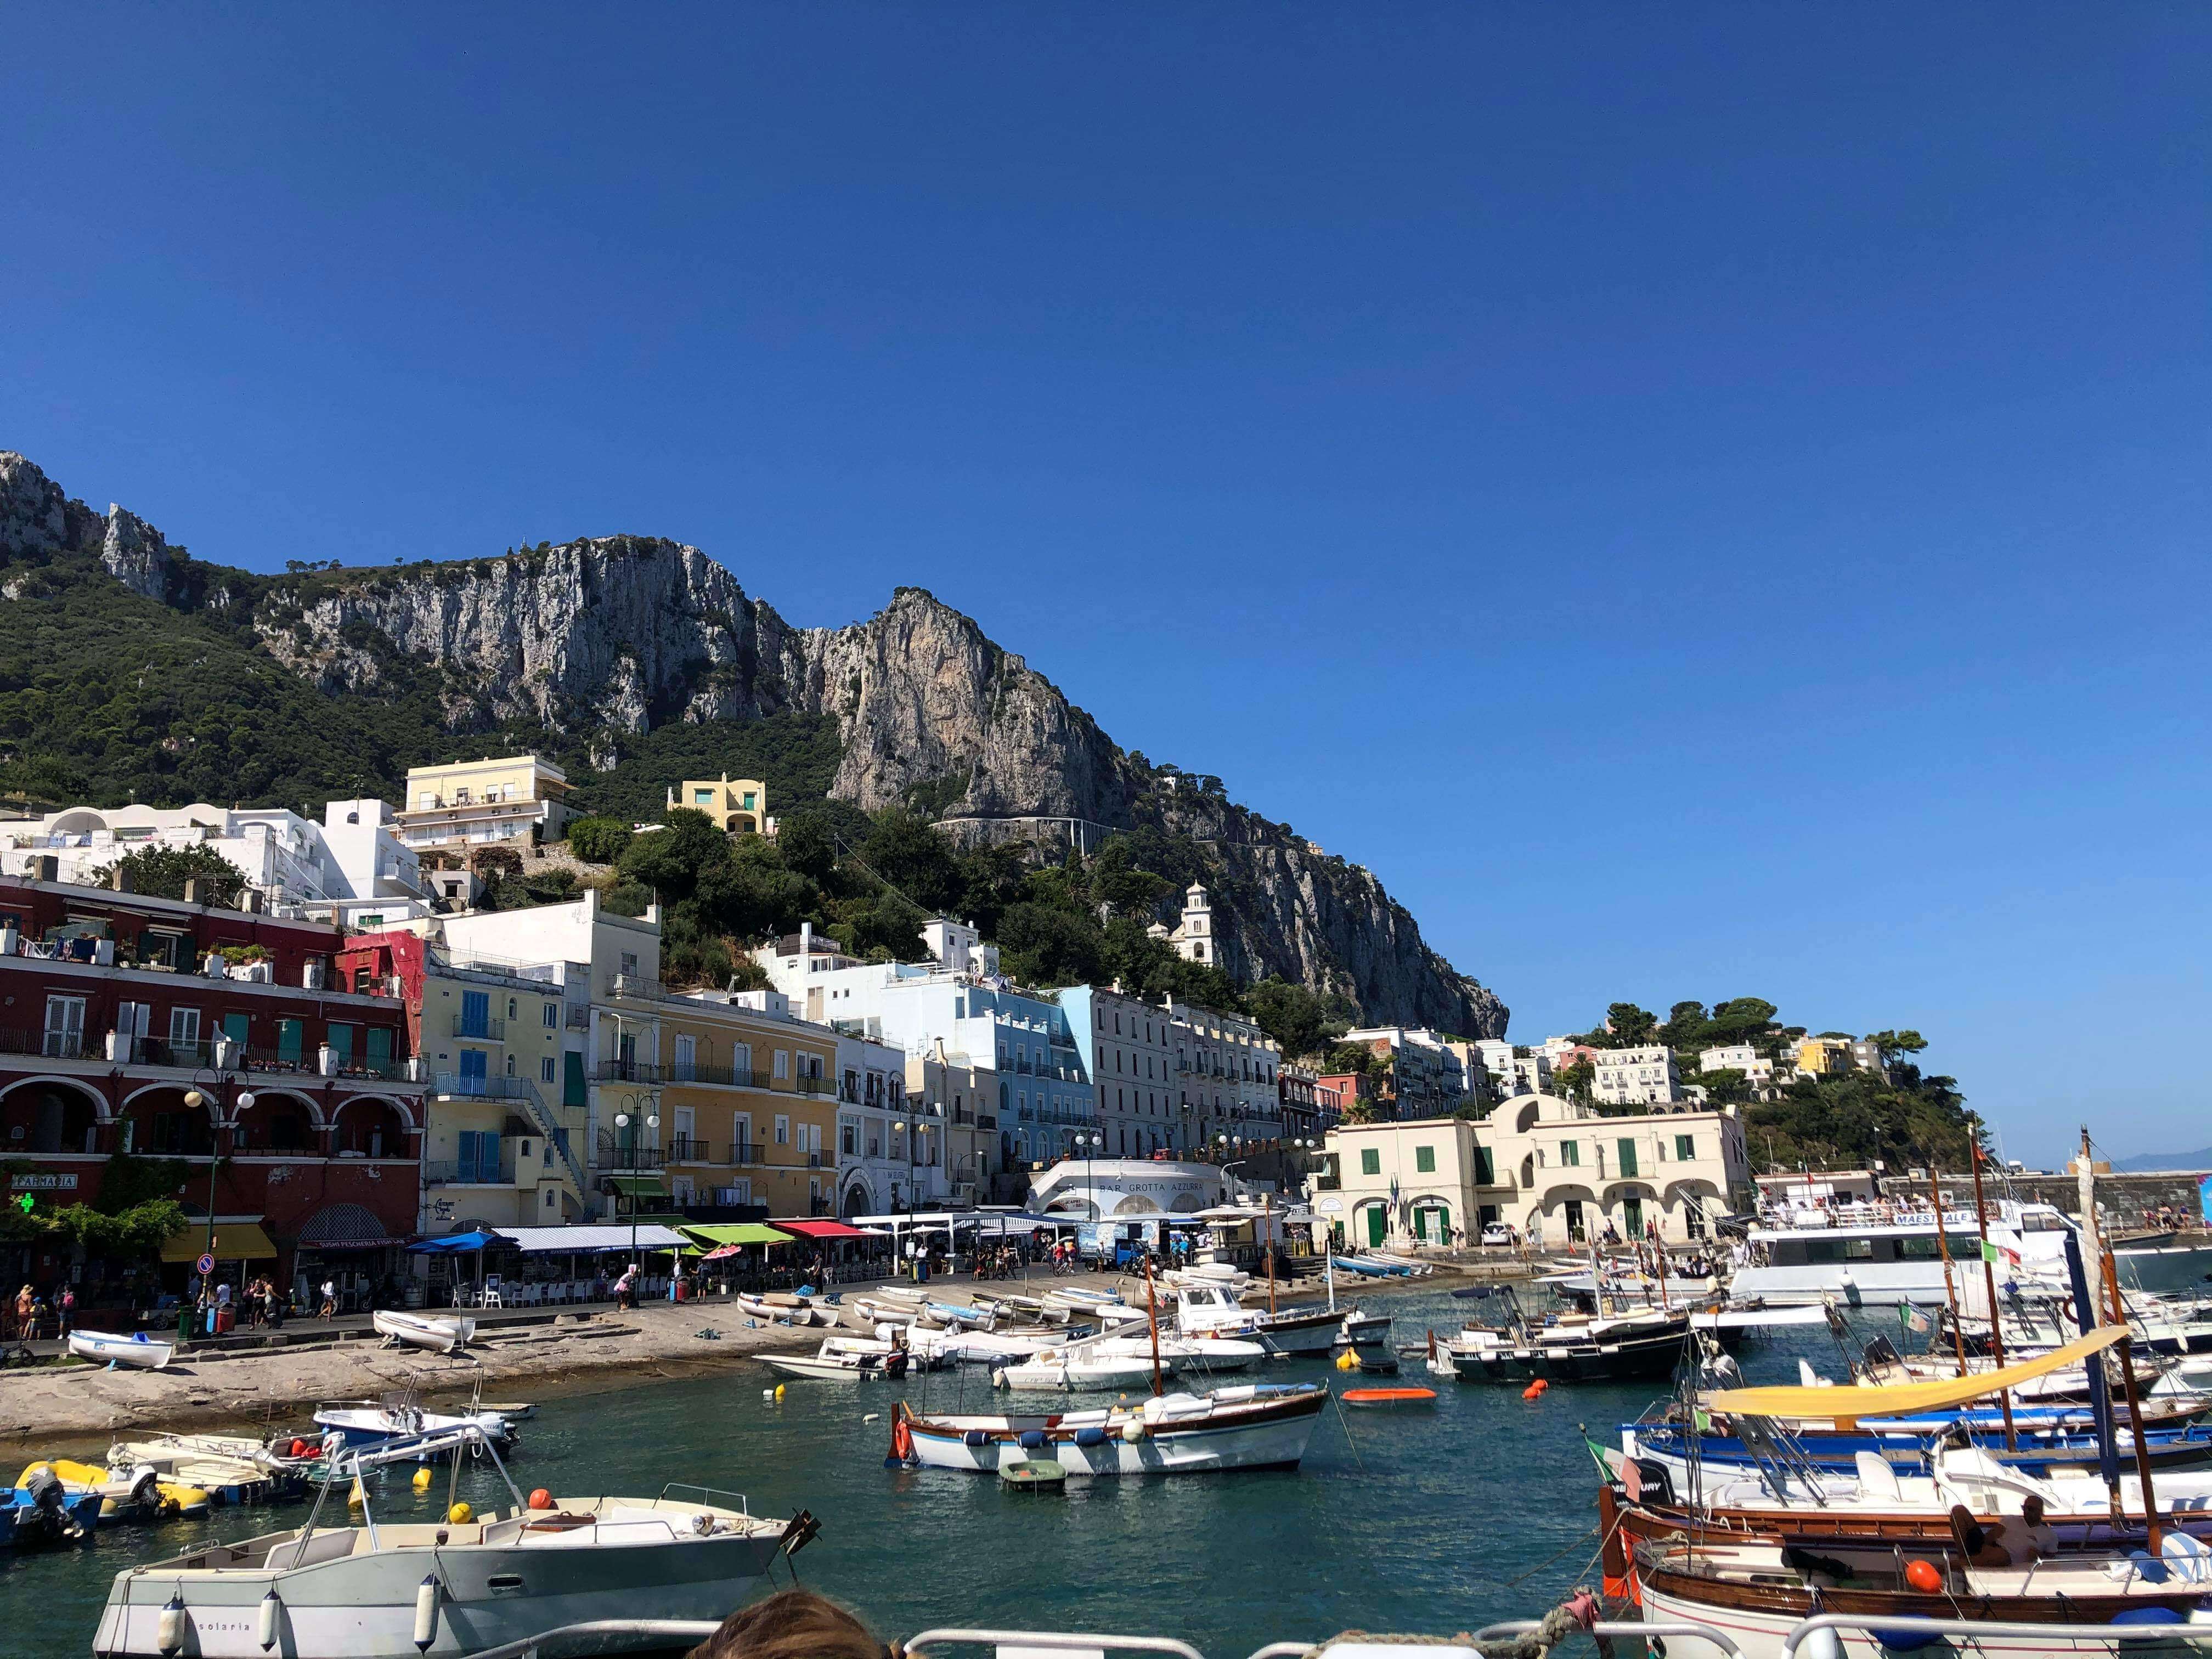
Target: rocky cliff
(604, 639)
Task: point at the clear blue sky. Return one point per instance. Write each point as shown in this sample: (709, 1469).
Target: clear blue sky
(1704, 501)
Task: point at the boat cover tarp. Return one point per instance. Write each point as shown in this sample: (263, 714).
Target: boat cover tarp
(1907, 1399)
(822, 1229)
(454, 1244)
(735, 1232)
(557, 1241)
(234, 1241)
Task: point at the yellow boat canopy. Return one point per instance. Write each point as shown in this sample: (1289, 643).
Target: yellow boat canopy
(234, 1241)
(1907, 1399)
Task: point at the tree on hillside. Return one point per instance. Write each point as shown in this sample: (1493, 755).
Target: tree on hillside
(671, 858)
(1577, 1082)
(1891, 1045)
(1685, 1027)
(598, 840)
(906, 851)
(163, 872)
(1630, 1026)
(807, 844)
(1740, 1019)
(1293, 1016)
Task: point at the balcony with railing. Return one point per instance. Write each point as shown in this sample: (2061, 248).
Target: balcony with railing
(615, 1156)
(689, 1148)
(464, 1085)
(483, 1028)
(217, 1053)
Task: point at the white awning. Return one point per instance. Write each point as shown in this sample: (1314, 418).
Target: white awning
(555, 1241)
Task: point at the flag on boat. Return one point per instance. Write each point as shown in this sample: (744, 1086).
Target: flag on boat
(1910, 1317)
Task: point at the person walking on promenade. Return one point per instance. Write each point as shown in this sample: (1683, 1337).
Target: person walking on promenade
(329, 1307)
(68, 1306)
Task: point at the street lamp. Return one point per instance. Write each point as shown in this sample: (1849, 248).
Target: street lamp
(1091, 1145)
(904, 1130)
(198, 1099)
(622, 1120)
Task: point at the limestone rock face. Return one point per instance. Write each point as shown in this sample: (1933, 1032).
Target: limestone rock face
(607, 637)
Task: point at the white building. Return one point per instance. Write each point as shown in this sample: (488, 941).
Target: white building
(1019, 1045)
(1638, 1077)
(891, 1149)
(1758, 1070)
(1193, 938)
(1498, 1058)
(959, 948)
(352, 866)
(1127, 1047)
(1227, 1078)
(1555, 1171)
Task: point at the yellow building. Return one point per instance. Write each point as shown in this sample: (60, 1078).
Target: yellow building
(746, 1099)
(1824, 1056)
(466, 804)
(734, 803)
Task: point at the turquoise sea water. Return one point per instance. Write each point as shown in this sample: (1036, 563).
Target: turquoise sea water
(1397, 1520)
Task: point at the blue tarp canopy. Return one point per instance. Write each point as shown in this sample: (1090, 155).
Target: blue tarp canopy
(454, 1244)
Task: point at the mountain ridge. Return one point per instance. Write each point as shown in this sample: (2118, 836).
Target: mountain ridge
(604, 642)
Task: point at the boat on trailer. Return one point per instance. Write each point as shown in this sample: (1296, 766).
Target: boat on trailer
(450, 1589)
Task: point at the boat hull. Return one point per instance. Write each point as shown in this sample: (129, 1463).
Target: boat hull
(362, 1606)
(1272, 1435)
(1640, 1360)
(414, 1331)
(105, 1349)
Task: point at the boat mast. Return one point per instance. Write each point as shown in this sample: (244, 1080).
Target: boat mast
(1153, 1319)
(1943, 1249)
(1268, 1210)
(1990, 1282)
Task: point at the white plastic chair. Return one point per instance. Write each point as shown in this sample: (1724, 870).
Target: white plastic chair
(491, 1298)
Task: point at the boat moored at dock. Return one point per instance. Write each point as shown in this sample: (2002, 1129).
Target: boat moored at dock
(1250, 1426)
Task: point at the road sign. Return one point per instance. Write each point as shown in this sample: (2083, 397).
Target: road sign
(206, 1266)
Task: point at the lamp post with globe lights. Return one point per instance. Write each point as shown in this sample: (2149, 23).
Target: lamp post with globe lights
(648, 1106)
(200, 1097)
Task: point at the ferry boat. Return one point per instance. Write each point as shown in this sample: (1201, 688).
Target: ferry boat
(1880, 1254)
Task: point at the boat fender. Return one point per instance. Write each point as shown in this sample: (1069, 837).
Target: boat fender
(999, 1379)
(265, 1633)
(461, 1515)
(1534, 1390)
(2150, 1616)
(169, 1635)
(1822, 1644)
(1904, 1641)
(426, 1611)
(768, 1396)
(974, 1437)
(1923, 1577)
(1092, 1436)
(1032, 1439)
(540, 1498)
(1132, 1433)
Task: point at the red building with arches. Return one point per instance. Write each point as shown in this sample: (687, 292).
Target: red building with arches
(135, 1028)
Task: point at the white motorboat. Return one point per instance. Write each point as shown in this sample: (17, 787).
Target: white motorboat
(1182, 1353)
(451, 1589)
(848, 1359)
(1252, 1427)
(1076, 1371)
(420, 1331)
(1211, 1310)
(136, 1350)
(229, 1469)
(365, 1423)
(979, 1347)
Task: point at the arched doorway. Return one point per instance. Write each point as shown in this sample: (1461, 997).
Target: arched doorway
(49, 1116)
(158, 1122)
(277, 1121)
(369, 1127)
(858, 1202)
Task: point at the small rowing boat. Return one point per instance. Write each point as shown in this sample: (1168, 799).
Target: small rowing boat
(783, 1309)
(134, 1351)
(409, 1330)
(1033, 1474)
(1375, 1398)
(1074, 1371)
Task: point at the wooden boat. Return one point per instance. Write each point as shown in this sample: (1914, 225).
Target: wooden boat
(1756, 1592)
(420, 1331)
(453, 1588)
(136, 1350)
(1251, 1426)
(868, 1313)
(1375, 1398)
(846, 1359)
(1637, 1347)
(785, 1310)
(1075, 1371)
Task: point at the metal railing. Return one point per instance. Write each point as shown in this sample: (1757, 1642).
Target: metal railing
(458, 1086)
(612, 1157)
(490, 1028)
(689, 1148)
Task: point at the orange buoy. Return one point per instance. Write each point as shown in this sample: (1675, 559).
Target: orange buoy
(1923, 1576)
(541, 1499)
(1389, 1396)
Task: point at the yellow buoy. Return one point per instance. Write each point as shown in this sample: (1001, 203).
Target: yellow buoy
(423, 1480)
(1345, 1362)
(461, 1515)
(356, 1497)
(779, 1391)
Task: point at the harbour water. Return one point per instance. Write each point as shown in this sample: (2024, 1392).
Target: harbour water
(1480, 1510)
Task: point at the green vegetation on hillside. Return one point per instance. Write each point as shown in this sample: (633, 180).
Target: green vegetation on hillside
(1841, 1122)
